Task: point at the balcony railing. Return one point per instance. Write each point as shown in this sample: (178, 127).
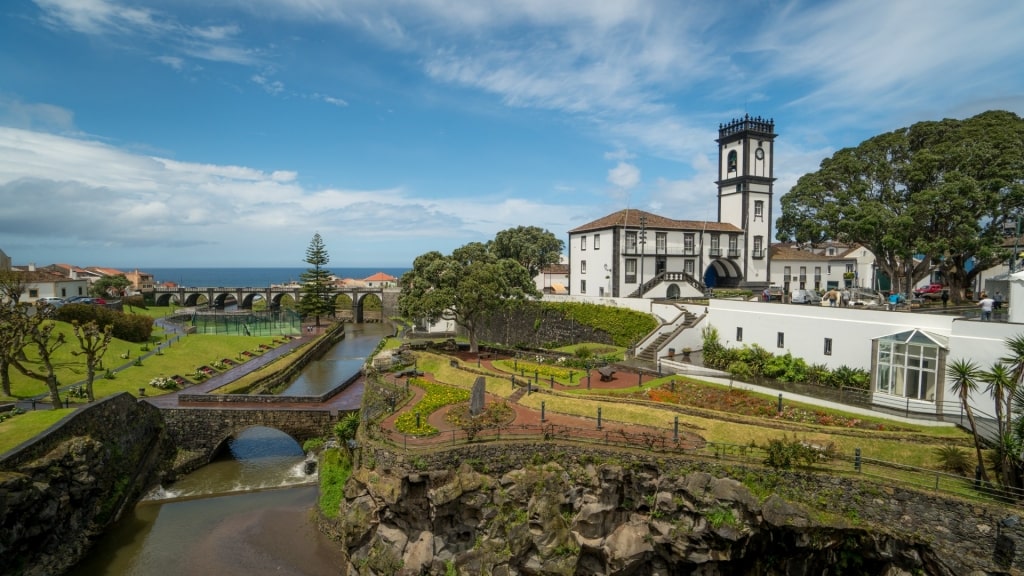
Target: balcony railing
(734, 253)
(758, 254)
(715, 251)
(689, 251)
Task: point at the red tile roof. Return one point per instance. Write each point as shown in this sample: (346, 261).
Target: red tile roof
(631, 219)
(380, 277)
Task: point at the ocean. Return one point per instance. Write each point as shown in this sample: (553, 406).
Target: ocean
(253, 277)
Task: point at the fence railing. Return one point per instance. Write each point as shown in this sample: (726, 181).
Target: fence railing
(677, 442)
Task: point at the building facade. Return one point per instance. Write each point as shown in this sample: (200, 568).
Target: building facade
(640, 254)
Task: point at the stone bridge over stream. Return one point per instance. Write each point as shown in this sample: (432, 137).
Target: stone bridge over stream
(201, 433)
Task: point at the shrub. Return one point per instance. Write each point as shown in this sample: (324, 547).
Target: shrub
(784, 453)
(740, 370)
(954, 460)
(128, 327)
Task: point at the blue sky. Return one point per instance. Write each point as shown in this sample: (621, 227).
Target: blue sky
(196, 133)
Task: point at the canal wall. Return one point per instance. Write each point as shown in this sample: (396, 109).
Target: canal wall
(279, 379)
(66, 486)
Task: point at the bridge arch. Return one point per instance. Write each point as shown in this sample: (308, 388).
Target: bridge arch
(199, 432)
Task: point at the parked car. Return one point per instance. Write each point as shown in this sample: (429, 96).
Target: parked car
(52, 301)
(77, 300)
(931, 291)
(99, 301)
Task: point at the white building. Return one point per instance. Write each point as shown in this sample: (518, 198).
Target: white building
(832, 265)
(633, 252)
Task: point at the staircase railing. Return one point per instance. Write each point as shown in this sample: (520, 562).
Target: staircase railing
(668, 277)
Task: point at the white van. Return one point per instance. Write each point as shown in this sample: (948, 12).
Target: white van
(804, 297)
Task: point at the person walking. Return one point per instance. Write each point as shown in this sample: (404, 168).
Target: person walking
(986, 305)
(945, 297)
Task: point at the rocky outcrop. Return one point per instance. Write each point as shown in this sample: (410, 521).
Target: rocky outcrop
(63, 489)
(565, 517)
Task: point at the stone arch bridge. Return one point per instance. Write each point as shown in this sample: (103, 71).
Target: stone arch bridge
(216, 296)
(200, 433)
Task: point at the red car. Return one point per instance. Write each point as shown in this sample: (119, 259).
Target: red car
(99, 301)
(930, 291)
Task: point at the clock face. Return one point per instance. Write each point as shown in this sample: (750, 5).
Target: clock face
(759, 154)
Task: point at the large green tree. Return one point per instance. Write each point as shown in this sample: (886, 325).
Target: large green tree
(317, 292)
(114, 286)
(933, 196)
(533, 247)
(469, 284)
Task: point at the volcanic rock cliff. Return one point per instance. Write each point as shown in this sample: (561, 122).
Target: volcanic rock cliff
(578, 511)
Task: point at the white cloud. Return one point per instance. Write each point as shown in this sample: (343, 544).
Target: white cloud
(172, 61)
(113, 200)
(625, 176)
(273, 87)
(330, 100)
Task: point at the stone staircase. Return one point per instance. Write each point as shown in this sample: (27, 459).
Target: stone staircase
(652, 351)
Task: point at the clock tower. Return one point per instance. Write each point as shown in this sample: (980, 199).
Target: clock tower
(746, 148)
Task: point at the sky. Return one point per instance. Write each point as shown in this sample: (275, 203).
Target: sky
(190, 133)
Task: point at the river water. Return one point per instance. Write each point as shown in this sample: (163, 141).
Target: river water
(249, 513)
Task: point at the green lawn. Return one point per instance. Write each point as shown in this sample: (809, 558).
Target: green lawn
(181, 358)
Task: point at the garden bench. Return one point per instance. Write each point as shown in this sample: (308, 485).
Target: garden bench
(606, 373)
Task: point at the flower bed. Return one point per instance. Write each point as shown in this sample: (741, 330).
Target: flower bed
(743, 402)
(437, 396)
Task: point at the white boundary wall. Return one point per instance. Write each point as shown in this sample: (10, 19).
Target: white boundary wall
(852, 330)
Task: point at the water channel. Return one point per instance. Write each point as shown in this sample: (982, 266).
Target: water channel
(248, 513)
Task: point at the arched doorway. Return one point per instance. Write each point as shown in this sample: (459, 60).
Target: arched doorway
(672, 292)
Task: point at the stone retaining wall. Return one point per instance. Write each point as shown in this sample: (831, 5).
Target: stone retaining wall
(67, 485)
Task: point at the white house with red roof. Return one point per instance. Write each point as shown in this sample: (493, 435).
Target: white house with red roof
(380, 280)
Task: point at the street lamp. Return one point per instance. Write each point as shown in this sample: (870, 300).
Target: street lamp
(643, 242)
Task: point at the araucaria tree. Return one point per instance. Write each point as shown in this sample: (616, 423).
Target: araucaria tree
(316, 299)
(934, 196)
(468, 285)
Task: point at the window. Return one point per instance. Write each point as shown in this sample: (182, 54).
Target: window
(583, 242)
(583, 286)
(688, 244)
(849, 268)
(731, 161)
(787, 272)
(734, 250)
(908, 367)
(631, 242)
(33, 293)
(630, 270)
(739, 334)
(63, 292)
(661, 242)
(688, 267)
(759, 210)
(780, 340)
(597, 242)
(828, 346)
(758, 246)
(583, 266)
(715, 245)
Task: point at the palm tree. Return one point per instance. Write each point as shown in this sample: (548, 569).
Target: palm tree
(1001, 386)
(963, 376)
(1015, 397)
